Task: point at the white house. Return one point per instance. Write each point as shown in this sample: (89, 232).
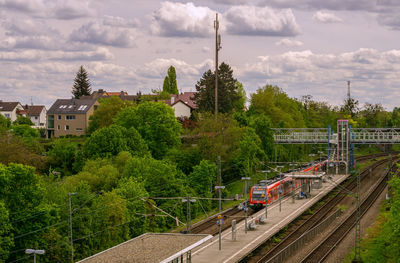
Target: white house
(37, 114)
(11, 110)
(183, 104)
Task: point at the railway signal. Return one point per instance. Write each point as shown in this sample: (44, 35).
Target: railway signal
(219, 187)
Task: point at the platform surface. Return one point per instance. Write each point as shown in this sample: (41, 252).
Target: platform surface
(233, 251)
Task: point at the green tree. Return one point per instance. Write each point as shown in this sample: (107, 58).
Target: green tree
(61, 156)
(229, 94)
(350, 107)
(170, 86)
(4, 124)
(106, 112)
(203, 178)
(82, 84)
(23, 120)
(156, 123)
(6, 236)
(262, 126)
(25, 131)
(111, 140)
(276, 104)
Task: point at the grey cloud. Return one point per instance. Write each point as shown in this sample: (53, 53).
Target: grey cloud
(71, 10)
(25, 6)
(116, 21)
(96, 33)
(253, 21)
(390, 20)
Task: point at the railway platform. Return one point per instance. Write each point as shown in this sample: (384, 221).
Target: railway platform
(234, 251)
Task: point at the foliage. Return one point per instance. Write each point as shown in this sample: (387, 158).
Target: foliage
(82, 84)
(156, 123)
(230, 92)
(61, 156)
(25, 130)
(350, 107)
(283, 111)
(170, 86)
(203, 178)
(111, 140)
(4, 123)
(106, 112)
(6, 236)
(23, 120)
(262, 127)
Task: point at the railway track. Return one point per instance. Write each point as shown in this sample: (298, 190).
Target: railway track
(208, 226)
(322, 251)
(310, 221)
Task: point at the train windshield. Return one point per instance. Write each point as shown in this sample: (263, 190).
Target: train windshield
(259, 193)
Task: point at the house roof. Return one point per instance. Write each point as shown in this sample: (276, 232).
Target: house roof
(8, 106)
(186, 98)
(72, 106)
(34, 110)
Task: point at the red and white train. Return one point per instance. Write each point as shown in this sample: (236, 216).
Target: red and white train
(259, 192)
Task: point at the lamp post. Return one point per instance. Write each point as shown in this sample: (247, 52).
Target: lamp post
(280, 188)
(34, 252)
(70, 226)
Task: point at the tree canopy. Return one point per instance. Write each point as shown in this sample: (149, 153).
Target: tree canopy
(155, 122)
(82, 84)
(170, 86)
(230, 93)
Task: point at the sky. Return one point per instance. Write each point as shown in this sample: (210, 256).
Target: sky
(303, 46)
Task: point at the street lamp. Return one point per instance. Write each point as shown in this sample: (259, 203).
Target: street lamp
(34, 252)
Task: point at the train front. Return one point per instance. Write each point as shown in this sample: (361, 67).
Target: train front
(258, 195)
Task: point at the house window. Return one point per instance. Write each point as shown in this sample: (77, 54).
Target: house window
(50, 121)
(79, 129)
(67, 127)
(95, 107)
(58, 127)
(7, 115)
(36, 117)
(70, 117)
(59, 117)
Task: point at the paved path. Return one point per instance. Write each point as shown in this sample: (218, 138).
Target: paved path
(233, 251)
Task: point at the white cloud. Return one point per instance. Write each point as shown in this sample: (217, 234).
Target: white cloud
(159, 67)
(255, 21)
(182, 20)
(325, 17)
(96, 33)
(289, 43)
(372, 72)
(26, 6)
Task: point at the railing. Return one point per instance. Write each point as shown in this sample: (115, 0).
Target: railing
(290, 250)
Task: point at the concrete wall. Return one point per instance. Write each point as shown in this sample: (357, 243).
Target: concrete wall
(41, 119)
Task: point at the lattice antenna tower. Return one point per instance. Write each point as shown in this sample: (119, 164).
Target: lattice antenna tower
(348, 90)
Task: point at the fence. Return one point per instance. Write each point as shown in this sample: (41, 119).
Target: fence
(303, 239)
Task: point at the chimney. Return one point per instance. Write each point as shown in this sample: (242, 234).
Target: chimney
(101, 91)
(172, 100)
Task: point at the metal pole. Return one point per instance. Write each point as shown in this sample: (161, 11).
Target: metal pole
(245, 206)
(219, 201)
(34, 257)
(70, 228)
(280, 188)
(217, 48)
(357, 256)
(188, 214)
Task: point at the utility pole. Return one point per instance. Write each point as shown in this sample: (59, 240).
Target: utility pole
(188, 215)
(70, 226)
(217, 48)
(245, 202)
(348, 90)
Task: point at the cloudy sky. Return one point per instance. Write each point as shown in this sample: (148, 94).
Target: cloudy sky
(303, 46)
